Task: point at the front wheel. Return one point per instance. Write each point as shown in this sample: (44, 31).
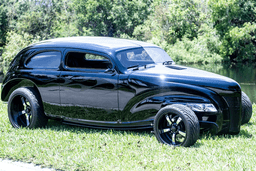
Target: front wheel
(25, 109)
(176, 125)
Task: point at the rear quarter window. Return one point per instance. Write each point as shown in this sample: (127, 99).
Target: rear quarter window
(48, 60)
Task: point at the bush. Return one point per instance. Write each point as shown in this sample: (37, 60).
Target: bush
(192, 51)
(15, 43)
(239, 44)
(203, 49)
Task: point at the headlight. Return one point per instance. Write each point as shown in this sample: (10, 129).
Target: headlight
(202, 107)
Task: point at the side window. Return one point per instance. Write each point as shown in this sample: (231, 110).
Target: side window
(45, 60)
(87, 61)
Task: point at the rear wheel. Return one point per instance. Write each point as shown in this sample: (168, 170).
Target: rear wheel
(176, 125)
(25, 109)
(246, 109)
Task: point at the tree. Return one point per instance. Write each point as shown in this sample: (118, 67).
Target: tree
(183, 29)
(235, 23)
(38, 17)
(110, 17)
(3, 23)
(171, 21)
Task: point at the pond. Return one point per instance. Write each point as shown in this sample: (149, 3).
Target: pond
(245, 75)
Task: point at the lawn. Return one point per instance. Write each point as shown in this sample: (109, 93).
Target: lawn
(75, 148)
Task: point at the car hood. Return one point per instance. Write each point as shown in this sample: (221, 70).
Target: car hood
(185, 75)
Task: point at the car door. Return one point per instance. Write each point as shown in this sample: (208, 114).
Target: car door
(88, 88)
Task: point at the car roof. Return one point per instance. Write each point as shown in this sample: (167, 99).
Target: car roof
(104, 44)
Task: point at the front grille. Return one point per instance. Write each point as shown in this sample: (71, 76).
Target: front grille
(234, 108)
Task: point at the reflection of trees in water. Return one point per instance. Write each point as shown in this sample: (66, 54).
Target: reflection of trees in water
(244, 74)
(1, 75)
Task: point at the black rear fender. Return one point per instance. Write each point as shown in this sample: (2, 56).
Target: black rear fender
(13, 84)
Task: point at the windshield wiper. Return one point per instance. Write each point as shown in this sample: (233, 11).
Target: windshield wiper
(136, 67)
(167, 62)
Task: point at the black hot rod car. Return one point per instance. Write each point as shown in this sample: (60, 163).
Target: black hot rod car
(102, 82)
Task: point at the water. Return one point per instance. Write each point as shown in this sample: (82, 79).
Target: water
(245, 75)
(1, 75)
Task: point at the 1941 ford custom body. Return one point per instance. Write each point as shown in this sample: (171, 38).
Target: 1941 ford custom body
(111, 83)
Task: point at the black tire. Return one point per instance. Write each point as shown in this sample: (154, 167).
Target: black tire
(25, 109)
(176, 125)
(246, 109)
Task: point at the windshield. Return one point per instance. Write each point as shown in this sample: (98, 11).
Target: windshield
(142, 56)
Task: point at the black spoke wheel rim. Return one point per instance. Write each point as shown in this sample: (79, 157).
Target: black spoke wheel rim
(172, 129)
(21, 113)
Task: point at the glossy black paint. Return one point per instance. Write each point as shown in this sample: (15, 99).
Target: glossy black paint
(118, 97)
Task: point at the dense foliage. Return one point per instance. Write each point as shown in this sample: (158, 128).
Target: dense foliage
(189, 30)
(235, 22)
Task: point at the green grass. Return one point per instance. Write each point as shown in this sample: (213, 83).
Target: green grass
(74, 148)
